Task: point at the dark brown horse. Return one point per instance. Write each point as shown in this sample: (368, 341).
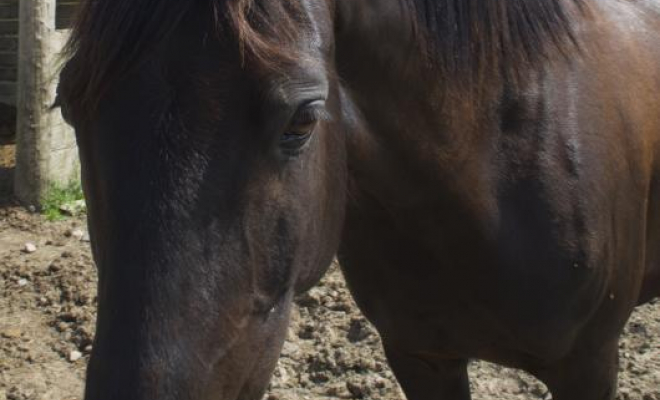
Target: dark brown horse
(487, 170)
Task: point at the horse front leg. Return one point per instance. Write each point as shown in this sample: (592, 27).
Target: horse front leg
(588, 373)
(425, 379)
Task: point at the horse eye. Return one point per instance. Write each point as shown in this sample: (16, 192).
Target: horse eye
(306, 118)
(302, 126)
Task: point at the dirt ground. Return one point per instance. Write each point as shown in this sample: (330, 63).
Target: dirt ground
(47, 309)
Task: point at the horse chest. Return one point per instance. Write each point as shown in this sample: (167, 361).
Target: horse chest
(433, 288)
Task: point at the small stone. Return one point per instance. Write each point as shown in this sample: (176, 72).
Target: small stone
(290, 349)
(22, 282)
(29, 247)
(54, 267)
(306, 332)
(356, 389)
(75, 356)
(283, 375)
(73, 208)
(338, 390)
(320, 377)
(310, 299)
(358, 331)
(77, 234)
(12, 333)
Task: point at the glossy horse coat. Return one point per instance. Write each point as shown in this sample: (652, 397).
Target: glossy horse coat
(486, 170)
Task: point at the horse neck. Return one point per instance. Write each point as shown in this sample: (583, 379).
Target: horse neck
(414, 122)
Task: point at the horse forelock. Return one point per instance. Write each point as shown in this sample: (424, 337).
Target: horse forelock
(112, 37)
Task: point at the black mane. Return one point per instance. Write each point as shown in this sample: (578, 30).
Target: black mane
(466, 38)
(470, 38)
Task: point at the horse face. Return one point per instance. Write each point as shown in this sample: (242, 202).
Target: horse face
(215, 189)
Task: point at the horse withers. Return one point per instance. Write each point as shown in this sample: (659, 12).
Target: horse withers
(486, 170)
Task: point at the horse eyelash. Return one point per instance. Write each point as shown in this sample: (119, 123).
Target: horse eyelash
(312, 114)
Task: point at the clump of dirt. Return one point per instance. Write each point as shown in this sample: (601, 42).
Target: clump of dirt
(47, 311)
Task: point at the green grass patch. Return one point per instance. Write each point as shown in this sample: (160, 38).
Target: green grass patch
(58, 197)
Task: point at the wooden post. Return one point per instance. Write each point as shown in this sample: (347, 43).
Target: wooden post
(46, 154)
